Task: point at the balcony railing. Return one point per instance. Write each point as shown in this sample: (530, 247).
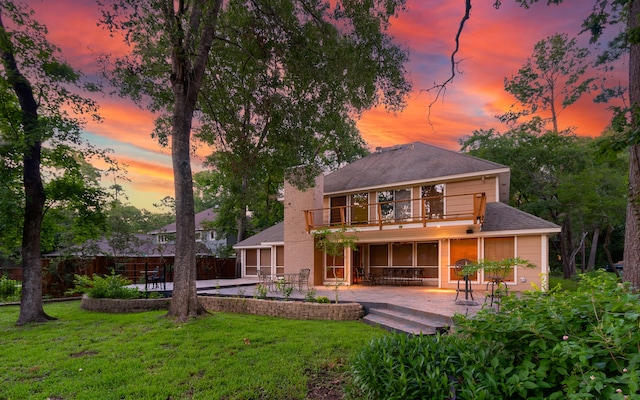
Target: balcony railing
(419, 210)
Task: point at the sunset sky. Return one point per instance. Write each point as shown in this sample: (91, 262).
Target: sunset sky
(494, 44)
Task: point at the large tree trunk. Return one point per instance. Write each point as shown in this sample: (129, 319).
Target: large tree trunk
(632, 227)
(186, 80)
(31, 309)
(591, 264)
(566, 247)
(607, 242)
(184, 301)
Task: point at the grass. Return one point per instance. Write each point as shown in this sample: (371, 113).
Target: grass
(566, 284)
(90, 355)
(570, 285)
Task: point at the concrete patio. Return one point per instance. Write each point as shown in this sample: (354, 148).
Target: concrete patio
(420, 298)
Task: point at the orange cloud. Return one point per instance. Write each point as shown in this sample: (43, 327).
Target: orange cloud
(493, 45)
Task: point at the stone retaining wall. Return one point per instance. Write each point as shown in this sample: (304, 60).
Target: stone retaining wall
(239, 305)
(284, 309)
(124, 306)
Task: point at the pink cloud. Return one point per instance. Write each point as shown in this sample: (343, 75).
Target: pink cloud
(494, 44)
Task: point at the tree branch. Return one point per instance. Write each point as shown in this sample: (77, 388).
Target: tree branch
(441, 88)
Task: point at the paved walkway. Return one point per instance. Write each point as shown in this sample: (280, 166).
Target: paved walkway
(423, 298)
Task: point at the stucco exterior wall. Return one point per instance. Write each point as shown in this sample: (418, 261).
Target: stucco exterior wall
(530, 248)
(487, 185)
(299, 249)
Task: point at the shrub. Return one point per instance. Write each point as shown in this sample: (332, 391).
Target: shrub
(108, 287)
(261, 291)
(310, 296)
(8, 288)
(556, 345)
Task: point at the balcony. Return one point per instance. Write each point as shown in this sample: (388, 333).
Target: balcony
(469, 208)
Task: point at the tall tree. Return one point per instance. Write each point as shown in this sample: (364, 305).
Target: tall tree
(171, 41)
(550, 80)
(607, 13)
(559, 177)
(283, 90)
(36, 127)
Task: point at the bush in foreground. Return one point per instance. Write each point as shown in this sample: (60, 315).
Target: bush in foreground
(108, 287)
(554, 345)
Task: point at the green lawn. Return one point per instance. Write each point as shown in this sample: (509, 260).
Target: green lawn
(90, 355)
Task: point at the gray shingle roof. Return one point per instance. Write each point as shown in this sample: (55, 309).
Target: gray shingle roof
(501, 217)
(202, 216)
(274, 234)
(405, 163)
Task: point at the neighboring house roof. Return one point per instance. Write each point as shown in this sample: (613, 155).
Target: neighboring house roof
(141, 246)
(274, 234)
(207, 215)
(405, 164)
(501, 217)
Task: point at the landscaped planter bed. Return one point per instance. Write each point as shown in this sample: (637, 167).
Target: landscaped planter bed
(239, 305)
(124, 306)
(284, 309)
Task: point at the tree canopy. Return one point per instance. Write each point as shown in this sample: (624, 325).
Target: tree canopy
(42, 155)
(563, 178)
(551, 79)
(285, 84)
(180, 48)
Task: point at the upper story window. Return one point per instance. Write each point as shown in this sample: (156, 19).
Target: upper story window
(338, 206)
(360, 208)
(165, 238)
(433, 196)
(395, 205)
(198, 236)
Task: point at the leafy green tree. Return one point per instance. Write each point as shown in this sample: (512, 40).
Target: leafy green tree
(39, 132)
(624, 14)
(171, 41)
(282, 91)
(558, 177)
(550, 80)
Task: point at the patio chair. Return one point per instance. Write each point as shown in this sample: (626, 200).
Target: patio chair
(359, 275)
(265, 280)
(303, 279)
(155, 277)
(464, 278)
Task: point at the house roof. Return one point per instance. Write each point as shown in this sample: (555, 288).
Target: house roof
(502, 217)
(274, 234)
(207, 215)
(408, 163)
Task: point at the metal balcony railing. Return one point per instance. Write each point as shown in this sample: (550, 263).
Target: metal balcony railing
(419, 210)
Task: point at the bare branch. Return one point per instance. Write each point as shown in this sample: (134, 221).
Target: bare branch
(442, 87)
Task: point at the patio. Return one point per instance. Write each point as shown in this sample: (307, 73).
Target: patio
(421, 298)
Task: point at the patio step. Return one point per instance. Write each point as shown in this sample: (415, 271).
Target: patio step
(405, 320)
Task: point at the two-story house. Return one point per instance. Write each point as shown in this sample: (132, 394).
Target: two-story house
(416, 210)
(209, 242)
